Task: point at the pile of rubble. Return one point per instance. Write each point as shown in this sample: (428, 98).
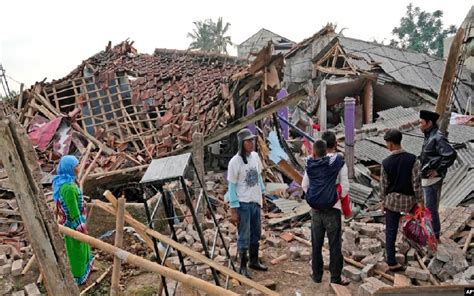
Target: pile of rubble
(15, 252)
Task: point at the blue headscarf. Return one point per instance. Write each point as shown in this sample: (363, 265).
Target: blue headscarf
(65, 174)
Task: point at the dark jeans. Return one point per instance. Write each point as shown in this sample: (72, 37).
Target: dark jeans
(250, 227)
(327, 221)
(432, 195)
(392, 219)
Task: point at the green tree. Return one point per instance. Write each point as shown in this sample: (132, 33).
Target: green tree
(421, 31)
(210, 36)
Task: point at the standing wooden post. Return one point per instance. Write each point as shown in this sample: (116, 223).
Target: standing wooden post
(449, 76)
(198, 159)
(349, 129)
(368, 102)
(119, 223)
(19, 159)
(323, 118)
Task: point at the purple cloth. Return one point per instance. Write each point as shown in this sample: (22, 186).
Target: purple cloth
(283, 112)
(251, 127)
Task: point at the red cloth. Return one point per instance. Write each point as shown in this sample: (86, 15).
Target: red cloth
(417, 228)
(345, 202)
(316, 126)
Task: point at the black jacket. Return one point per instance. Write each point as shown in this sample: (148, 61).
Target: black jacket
(437, 154)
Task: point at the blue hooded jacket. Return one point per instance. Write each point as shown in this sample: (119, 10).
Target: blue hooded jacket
(322, 174)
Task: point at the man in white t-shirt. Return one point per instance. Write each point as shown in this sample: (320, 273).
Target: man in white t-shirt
(245, 199)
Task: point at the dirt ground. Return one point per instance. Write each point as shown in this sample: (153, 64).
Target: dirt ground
(291, 276)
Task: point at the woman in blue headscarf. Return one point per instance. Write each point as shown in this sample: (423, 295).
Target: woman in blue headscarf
(72, 213)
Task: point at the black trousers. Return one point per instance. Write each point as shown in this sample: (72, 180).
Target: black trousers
(392, 219)
(322, 222)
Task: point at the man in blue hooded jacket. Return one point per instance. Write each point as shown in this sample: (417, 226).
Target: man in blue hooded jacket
(319, 183)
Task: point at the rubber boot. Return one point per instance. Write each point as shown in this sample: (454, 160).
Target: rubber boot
(243, 263)
(254, 262)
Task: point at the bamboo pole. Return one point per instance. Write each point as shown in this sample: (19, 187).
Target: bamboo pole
(84, 158)
(433, 280)
(468, 241)
(348, 260)
(89, 168)
(29, 265)
(97, 281)
(146, 264)
(119, 223)
(139, 227)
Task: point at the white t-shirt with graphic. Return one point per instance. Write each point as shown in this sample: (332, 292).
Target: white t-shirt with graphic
(245, 176)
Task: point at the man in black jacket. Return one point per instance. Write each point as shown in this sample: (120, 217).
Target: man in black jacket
(436, 157)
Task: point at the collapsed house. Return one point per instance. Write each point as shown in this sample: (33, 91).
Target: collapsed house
(380, 77)
(249, 48)
(120, 109)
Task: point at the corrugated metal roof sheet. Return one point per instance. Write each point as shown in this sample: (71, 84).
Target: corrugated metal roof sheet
(366, 150)
(407, 67)
(397, 117)
(458, 187)
(287, 205)
(359, 193)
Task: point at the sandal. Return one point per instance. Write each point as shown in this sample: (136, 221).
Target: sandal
(397, 267)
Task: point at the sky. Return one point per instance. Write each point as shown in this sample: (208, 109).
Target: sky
(48, 39)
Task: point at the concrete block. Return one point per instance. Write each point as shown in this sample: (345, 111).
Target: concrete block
(367, 271)
(360, 254)
(181, 236)
(369, 231)
(189, 239)
(198, 247)
(381, 237)
(403, 247)
(382, 266)
(350, 235)
(370, 286)
(3, 259)
(417, 273)
(400, 258)
(18, 293)
(254, 292)
(469, 273)
(274, 242)
(220, 259)
(17, 267)
(201, 269)
(270, 284)
(305, 255)
(411, 255)
(357, 226)
(375, 248)
(295, 252)
(435, 266)
(32, 290)
(443, 275)
(348, 248)
(194, 234)
(5, 269)
(366, 290)
(352, 272)
(367, 241)
(443, 254)
(372, 259)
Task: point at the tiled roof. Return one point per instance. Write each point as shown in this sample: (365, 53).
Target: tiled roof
(186, 86)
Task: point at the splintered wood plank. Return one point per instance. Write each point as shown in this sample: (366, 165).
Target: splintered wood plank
(340, 290)
(401, 281)
(19, 159)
